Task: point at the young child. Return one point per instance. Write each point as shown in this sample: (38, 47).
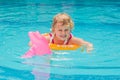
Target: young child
(61, 32)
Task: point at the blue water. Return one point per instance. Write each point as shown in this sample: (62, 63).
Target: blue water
(96, 21)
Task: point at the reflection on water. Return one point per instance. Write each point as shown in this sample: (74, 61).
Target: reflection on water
(41, 67)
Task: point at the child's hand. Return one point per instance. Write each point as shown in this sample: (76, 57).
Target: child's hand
(89, 47)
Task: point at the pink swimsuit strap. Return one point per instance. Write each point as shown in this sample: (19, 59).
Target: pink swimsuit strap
(67, 40)
(51, 37)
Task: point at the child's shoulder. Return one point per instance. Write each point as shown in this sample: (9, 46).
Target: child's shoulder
(45, 34)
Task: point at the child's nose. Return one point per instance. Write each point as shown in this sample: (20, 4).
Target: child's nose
(63, 32)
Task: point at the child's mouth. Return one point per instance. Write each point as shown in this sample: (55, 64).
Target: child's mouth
(63, 36)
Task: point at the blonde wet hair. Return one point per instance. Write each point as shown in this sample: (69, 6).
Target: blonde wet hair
(64, 19)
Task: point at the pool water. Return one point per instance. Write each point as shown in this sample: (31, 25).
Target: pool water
(95, 21)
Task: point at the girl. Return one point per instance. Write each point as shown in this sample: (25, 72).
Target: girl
(60, 35)
(61, 32)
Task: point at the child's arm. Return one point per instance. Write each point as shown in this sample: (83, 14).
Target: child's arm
(81, 42)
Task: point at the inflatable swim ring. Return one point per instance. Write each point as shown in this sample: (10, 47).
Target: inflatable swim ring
(63, 47)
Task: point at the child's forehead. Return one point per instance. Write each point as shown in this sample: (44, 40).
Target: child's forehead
(63, 27)
(62, 24)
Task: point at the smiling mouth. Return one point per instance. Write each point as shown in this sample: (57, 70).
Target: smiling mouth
(63, 36)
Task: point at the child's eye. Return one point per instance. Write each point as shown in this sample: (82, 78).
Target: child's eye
(60, 30)
(66, 29)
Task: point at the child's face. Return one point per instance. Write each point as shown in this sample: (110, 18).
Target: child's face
(62, 32)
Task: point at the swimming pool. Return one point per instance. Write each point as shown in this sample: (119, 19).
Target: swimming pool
(97, 22)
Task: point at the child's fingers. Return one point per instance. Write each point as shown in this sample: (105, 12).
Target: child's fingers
(89, 49)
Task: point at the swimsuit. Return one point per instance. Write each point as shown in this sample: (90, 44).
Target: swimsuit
(65, 42)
